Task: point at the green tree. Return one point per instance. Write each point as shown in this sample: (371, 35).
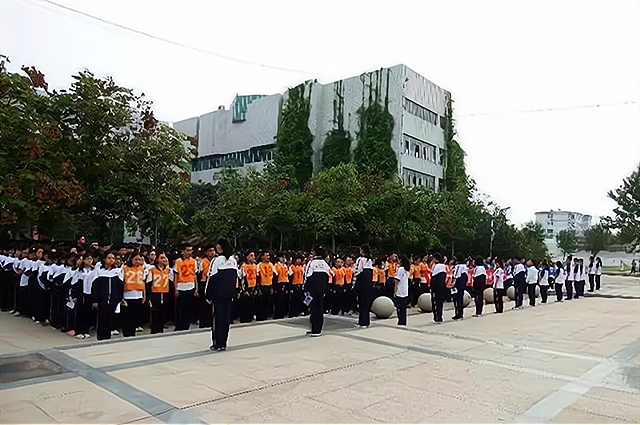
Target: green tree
(294, 139)
(456, 177)
(337, 146)
(532, 238)
(597, 238)
(567, 241)
(627, 213)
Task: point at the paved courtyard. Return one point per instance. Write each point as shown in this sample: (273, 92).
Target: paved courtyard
(571, 362)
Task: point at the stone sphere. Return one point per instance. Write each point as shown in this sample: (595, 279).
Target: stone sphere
(488, 296)
(466, 300)
(511, 293)
(383, 307)
(424, 302)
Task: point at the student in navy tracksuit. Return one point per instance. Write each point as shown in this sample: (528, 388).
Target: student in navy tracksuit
(460, 276)
(107, 291)
(363, 275)
(438, 288)
(316, 284)
(519, 282)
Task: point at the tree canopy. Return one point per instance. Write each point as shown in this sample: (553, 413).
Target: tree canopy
(626, 217)
(567, 241)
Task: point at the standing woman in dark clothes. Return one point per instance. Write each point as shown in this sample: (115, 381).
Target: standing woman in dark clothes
(317, 276)
(219, 292)
(363, 275)
(107, 290)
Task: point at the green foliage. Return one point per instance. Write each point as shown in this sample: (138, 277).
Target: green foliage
(567, 241)
(597, 238)
(532, 241)
(627, 213)
(336, 149)
(374, 153)
(455, 171)
(294, 139)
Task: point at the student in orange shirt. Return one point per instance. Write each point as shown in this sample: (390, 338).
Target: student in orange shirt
(378, 279)
(266, 272)
(186, 288)
(350, 299)
(134, 296)
(339, 305)
(205, 318)
(296, 273)
(425, 278)
(392, 266)
(248, 279)
(415, 274)
(158, 284)
(280, 289)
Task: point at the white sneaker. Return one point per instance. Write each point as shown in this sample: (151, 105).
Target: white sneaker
(79, 336)
(115, 333)
(87, 336)
(12, 312)
(16, 314)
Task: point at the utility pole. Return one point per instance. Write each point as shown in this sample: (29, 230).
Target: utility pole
(493, 234)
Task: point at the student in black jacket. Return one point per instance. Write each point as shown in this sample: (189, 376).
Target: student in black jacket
(107, 291)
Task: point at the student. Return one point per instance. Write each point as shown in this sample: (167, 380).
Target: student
(296, 273)
(363, 274)
(316, 282)
(280, 302)
(60, 286)
(519, 282)
(457, 292)
(425, 276)
(205, 313)
(40, 284)
(498, 286)
(339, 305)
(401, 289)
(438, 288)
(532, 281)
(186, 288)
(266, 271)
(544, 280)
(582, 272)
(350, 298)
(249, 279)
(591, 270)
(84, 313)
(479, 285)
(415, 273)
(133, 276)
(561, 277)
(598, 272)
(106, 293)
(378, 280)
(219, 291)
(449, 281)
(392, 265)
(568, 283)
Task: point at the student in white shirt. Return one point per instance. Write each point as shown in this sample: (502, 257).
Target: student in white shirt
(598, 272)
(438, 288)
(561, 277)
(532, 281)
(583, 277)
(479, 285)
(519, 281)
(460, 277)
(401, 289)
(316, 284)
(498, 286)
(544, 276)
(592, 274)
(578, 272)
(363, 275)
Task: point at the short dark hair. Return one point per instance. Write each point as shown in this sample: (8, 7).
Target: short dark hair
(227, 248)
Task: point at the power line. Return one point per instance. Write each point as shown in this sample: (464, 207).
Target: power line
(166, 40)
(561, 108)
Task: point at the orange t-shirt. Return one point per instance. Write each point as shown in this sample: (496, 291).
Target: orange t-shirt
(250, 271)
(133, 278)
(348, 275)
(339, 275)
(297, 273)
(378, 275)
(426, 273)
(392, 266)
(185, 270)
(159, 280)
(282, 271)
(206, 263)
(265, 270)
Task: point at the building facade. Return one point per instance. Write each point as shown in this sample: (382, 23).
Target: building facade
(244, 135)
(553, 222)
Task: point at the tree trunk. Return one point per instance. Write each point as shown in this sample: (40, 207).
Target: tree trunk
(333, 242)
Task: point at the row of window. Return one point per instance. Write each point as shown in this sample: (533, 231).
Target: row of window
(422, 150)
(421, 112)
(415, 178)
(234, 159)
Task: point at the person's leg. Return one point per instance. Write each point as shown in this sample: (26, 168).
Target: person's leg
(531, 292)
(598, 277)
(569, 287)
(216, 328)
(128, 319)
(592, 283)
(364, 307)
(317, 312)
(479, 300)
(543, 293)
(103, 330)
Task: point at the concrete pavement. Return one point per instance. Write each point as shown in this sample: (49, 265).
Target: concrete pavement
(571, 362)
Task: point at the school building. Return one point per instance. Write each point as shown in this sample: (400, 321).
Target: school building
(554, 222)
(243, 135)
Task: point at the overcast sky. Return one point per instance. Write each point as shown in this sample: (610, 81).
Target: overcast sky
(496, 58)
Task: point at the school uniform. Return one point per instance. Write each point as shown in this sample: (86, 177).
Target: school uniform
(598, 275)
(579, 283)
(532, 281)
(14, 283)
(23, 296)
(220, 290)
(317, 275)
(338, 303)
(543, 282)
(425, 279)
(107, 290)
(133, 278)
(39, 287)
(568, 284)
(438, 291)
(592, 276)
(6, 283)
(296, 297)
(280, 304)
(479, 285)
(71, 301)
(205, 311)
(60, 284)
(85, 317)
(401, 294)
(499, 275)
(460, 281)
(350, 297)
(415, 276)
(363, 275)
(392, 266)
(185, 274)
(264, 307)
(249, 279)
(159, 295)
(561, 277)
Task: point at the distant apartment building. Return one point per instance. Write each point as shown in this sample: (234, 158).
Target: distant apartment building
(243, 135)
(553, 222)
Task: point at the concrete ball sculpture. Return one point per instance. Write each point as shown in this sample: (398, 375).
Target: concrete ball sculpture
(383, 307)
(466, 300)
(424, 302)
(488, 296)
(511, 293)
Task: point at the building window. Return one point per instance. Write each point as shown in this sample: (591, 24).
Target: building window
(442, 157)
(429, 151)
(443, 122)
(406, 147)
(420, 111)
(420, 181)
(414, 180)
(417, 151)
(234, 159)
